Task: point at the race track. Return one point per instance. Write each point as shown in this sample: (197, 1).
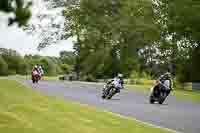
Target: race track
(182, 116)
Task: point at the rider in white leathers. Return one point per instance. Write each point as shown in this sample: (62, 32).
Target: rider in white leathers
(117, 82)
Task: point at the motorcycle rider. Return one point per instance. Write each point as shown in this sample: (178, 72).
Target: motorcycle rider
(117, 82)
(165, 83)
(41, 71)
(35, 70)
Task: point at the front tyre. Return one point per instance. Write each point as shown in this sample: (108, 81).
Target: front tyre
(112, 92)
(104, 93)
(161, 100)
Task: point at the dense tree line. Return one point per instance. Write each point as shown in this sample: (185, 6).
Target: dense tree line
(135, 35)
(110, 34)
(128, 36)
(11, 63)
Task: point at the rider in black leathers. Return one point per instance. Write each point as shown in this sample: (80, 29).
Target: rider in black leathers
(162, 79)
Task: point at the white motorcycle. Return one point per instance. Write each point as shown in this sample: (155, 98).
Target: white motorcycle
(108, 91)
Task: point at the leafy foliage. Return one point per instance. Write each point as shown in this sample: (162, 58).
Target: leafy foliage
(67, 57)
(12, 63)
(3, 67)
(19, 8)
(110, 33)
(65, 68)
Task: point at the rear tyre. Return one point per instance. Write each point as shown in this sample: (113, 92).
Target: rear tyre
(103, 97)
(151, 100)
(109, 97)
(103, 93)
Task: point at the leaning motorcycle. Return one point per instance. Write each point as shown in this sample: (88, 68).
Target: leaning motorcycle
(157, 94)
(108, 91)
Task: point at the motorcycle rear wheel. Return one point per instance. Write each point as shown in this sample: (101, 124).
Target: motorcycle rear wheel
(151, 100)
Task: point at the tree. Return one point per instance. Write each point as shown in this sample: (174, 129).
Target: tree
(195, 65)
(47, 21)
(126, 25)
(20, 8)
(65, 68)
(3, 67)
(67, 57)
(179, 23)
(24, 68)
(48, 66)
(13, 59)
(183, 19)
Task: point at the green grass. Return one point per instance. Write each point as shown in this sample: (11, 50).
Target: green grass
(187, 95)
(180, 94)
(23, 110)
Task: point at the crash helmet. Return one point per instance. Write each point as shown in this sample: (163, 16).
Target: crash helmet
(35, 66)
(167, 75)
(120, 75)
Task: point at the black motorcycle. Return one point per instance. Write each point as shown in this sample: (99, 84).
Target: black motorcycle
(108, 91)
(157, 94)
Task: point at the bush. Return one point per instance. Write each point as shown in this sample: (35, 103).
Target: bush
(134, 77)
(13, 60)
(3, 67)
(146, 76)
(144, 79)
(59, 70)
(147, 82)
(89, 78)
(49, 67)
(23, 68)
(12, 72)
(66, 68)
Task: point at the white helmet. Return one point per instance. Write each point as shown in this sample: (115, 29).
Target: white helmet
(120, 75)
(167, 75)
(35, 66)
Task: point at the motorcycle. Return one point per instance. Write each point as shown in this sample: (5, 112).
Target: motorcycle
(108, 91)
(157, 93)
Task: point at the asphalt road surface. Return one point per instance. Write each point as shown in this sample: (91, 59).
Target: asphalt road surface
(182, 116)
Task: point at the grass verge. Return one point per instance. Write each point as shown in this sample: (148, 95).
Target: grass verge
(23, 110)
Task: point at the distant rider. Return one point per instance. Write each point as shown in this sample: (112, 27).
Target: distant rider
(41, 71)
(35, 71)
